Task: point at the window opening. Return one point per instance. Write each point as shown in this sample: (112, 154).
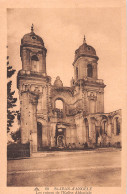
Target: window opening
(76, 72)
(89, 70)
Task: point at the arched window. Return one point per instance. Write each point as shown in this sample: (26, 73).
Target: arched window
(35, 63)
(34, 58)
(76, 72)
(59, 108)
(89, 70)
(104, 127)
(59, 104)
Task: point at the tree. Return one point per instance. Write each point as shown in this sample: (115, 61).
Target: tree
(16, 136)
(11, 101)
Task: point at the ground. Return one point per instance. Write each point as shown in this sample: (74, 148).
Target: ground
(101, 167)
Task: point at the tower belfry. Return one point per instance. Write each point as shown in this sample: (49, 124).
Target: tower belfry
(85, 62)
(86, 77)
(33, 53)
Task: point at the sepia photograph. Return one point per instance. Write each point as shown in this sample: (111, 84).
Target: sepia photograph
(64, 88)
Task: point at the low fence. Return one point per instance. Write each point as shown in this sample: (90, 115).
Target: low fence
(15, 151)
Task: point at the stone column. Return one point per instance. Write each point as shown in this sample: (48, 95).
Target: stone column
(92, 131)
(84, 132)
(45, 136)
(40, 62)
(25, 121)
(109, 128)
(94, 70)
(53, 131)
(33, 101)
(102, 101)
(90, 128)
(72, 134)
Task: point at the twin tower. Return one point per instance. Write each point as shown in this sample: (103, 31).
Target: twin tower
(41, 119)
(33, 56)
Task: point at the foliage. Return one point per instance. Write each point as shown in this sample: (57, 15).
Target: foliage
(16, 136)
(10, 71)
(11, 101)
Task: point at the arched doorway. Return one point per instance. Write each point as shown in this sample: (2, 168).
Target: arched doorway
(60, 136)
(39, 136)
(60, 141)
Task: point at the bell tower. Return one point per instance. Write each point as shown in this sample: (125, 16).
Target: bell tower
(33, 85)
(85, 62)
(86, 79)
(33, 53)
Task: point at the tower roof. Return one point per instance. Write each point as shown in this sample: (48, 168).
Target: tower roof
(85, 50)
(32, 39)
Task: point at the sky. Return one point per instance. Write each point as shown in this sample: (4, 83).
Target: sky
(62, 31)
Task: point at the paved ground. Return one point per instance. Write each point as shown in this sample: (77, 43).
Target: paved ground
(80, 168)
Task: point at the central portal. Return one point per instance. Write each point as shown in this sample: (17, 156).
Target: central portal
(60, 136)
(60, 141)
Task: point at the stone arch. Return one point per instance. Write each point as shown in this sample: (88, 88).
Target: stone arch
(104, 125)
(97, 129)
(59, 109)
(116, 124)
(58, 98)
(41, 120)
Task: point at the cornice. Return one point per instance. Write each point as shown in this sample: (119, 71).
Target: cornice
(85, 55)
(32, 46)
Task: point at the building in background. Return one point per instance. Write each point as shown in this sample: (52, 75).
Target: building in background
(55, 116)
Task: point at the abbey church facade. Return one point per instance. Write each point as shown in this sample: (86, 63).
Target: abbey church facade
(55, 116)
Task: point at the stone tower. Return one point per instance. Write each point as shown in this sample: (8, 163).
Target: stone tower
(33, 84)
(86, 79)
